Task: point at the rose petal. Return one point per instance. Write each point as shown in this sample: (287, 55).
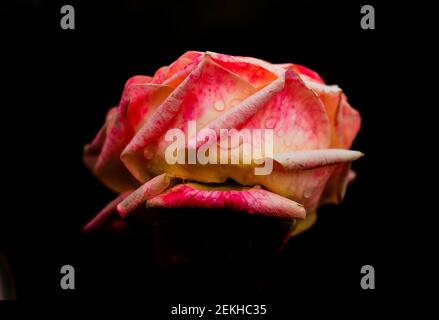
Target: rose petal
(252, 70)
(103, 155)
(143, 100)
(148, 190)
(178, 70)
(348, 123)
(310, 159)
(303, 71)
(345, 121)
(251, 200)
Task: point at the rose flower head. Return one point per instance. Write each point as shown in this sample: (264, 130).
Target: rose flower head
(219, 131)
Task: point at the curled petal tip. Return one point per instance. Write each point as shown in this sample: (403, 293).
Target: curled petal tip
(148, 190)
(310, 159)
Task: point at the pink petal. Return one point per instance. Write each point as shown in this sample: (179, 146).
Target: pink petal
(148, 190)
(143, 100)
(303, 71)
(348, 123)
(345, 121)
(251, 200)
(103, 155)
(253, 70)
(310, 159)
(178, 70)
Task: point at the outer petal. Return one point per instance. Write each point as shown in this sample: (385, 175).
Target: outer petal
(251, 200)
(345, 121)
(103, 155)
(310, 159)
(348, 123)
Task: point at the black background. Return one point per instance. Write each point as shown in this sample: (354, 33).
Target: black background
(58, 85)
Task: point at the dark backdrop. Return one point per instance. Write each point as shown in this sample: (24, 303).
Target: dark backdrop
(58, 85)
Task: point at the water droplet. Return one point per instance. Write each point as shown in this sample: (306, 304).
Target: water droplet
(308, 193)
(271, 122)
(219, 105)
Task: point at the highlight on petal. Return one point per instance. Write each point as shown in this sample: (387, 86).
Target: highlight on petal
(252, 200)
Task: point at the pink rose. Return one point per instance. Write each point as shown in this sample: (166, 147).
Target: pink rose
(313, 128)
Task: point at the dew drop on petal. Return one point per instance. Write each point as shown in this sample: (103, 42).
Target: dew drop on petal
(308, 193)
(219, 105)
(270, 122)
